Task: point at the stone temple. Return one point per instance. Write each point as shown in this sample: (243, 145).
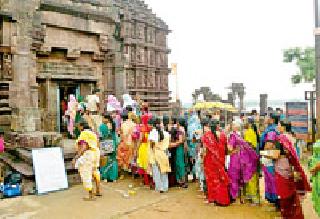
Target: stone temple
(50, 49)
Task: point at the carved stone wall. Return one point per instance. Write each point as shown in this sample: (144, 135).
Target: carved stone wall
(145, 42)
(120, 46)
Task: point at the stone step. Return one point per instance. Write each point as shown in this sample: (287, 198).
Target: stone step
(5, 83)
(5, 120)
(4, 101)
(26, 168)
(5, 110)
(4, 93)
(21, 167)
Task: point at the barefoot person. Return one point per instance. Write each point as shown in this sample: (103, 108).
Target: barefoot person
(125, 149)
(193, 138)
(267, 143)
(88, 139)
(109, 172)
(290, 179)
(214, 162)
(84, 164)
(143, 151)
(251, 189)
(178, 139)
(158, 158)
(243, 162)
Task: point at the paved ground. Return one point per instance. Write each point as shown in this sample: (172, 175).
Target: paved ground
(178, 203)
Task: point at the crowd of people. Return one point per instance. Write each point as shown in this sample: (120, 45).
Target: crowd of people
(165, 152)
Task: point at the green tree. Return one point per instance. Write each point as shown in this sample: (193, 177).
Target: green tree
(305, 62)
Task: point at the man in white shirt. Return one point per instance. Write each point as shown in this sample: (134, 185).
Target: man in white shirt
(93, 102)
(93, 107)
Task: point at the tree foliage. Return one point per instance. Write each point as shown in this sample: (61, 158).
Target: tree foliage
(305, 62)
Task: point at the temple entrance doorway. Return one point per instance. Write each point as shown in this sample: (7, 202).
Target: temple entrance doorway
(53, 101)
(64, 90)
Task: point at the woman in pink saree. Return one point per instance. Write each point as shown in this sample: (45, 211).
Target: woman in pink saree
(243, 162)
(71, 112)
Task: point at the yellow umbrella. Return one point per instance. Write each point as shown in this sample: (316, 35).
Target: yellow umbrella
(230, 108)
(199, 105)
(220, 105)
(209, 105)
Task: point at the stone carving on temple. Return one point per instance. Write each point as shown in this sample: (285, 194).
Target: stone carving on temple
(152, 57)
(152, 79)
(164, 81)
(130, 79)
(76, 47)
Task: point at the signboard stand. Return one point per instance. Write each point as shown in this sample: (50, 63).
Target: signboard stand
(49, 169)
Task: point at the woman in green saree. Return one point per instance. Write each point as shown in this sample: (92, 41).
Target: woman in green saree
(108, 132)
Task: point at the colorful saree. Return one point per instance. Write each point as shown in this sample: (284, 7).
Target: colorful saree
(90, 161)
(287, 186)
(125, 150)
(216, 177)
(251, 188)
(143, 151)
(110, 170)
(180, 163)
(243, 163)
(268, 168)
(71, 112)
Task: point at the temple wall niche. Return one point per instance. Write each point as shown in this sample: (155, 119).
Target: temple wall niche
(71, 40)
(76, 23)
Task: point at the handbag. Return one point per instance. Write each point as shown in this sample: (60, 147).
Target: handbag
(106, 146)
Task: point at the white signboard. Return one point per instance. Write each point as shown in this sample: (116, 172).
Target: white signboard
(49, 169)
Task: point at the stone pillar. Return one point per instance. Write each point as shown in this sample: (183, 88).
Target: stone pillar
(24, 89)
(241, 97)
(120, 82)
(263, 104)
(230, 98)
(120, 76)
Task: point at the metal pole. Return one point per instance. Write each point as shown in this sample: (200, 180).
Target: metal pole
(317, 55)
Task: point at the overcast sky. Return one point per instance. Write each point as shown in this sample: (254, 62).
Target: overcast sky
(217, 42)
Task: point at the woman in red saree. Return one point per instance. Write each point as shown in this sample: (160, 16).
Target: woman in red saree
(214, 166)
(290, 178)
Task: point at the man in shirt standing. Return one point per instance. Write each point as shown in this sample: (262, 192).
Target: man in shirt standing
(93, 107)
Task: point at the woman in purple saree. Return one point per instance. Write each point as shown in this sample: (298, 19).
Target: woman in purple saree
(243, 162)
